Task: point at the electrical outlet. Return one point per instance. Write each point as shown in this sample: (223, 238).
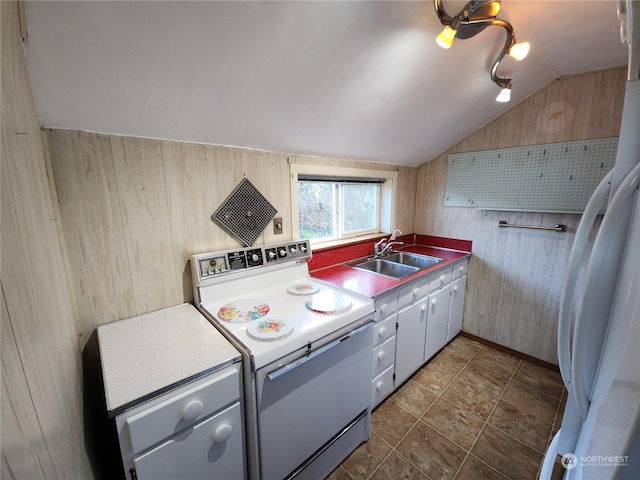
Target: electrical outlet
(277, 226)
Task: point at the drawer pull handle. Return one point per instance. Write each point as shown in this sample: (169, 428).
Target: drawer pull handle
(416, 292)
(191, 410)
(384, 308)
(423, 308)
(381, 356)
(434, 302)
(380, 386)
(382, 332)
(221, 434)
(455, 289)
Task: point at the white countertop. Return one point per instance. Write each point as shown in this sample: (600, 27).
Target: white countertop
(150, 352)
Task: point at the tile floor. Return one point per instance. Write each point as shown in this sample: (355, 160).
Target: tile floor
(472, 412)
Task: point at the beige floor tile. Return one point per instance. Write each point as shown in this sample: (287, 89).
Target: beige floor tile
(414, 398)
(391, 422)
(539, 380)
(431, 452)
(532, 401)
(483, 378)
(527, 428)
(507, 455)
(496, 361)
(433, 378)
(339, 474)
(366, 458)
(470, 398)
(449, 362)
(396, 467)
(463, 347)
(455, 423)
(474, 469)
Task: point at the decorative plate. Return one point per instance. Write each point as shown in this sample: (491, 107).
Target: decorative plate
(243, 311)
(328, 302)
(269, 330)
(303, 288)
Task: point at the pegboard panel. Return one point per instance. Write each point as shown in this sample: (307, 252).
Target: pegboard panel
(556, 177)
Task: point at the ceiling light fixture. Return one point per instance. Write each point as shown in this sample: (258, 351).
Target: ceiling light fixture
(475, 17)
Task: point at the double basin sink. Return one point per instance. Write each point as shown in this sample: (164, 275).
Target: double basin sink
(397, 265)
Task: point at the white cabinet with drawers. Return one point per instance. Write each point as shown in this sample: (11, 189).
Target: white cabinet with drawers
(458, 290)
(194, 432)
(384, 347)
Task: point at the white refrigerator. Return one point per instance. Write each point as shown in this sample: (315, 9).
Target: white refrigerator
(599, 327)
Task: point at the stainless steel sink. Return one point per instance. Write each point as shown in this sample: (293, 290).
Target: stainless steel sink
(413, 259)
(387, 268)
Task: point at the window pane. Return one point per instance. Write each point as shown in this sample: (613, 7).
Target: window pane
(316, 209)
(360, 207)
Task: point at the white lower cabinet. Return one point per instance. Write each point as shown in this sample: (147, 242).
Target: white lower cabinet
(413, 323)
(458, 290)
(410, 338)
(193, 432)
(437, 322)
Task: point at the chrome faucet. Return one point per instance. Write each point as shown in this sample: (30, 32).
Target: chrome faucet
(385, 246)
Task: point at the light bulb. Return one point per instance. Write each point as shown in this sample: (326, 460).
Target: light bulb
(519, 50)
(504, 95)
(445, 39)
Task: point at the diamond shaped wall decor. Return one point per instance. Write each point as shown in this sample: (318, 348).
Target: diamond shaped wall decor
(245, 213)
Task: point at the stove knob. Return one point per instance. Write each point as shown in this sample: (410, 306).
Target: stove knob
(255, 257)
(283, 253)
(293, 250)
(303, 248)
(272, 254)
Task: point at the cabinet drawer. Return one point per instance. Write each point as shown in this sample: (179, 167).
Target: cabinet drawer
(385, 306)
(440, 279)
(381, 386)
(384, 330)
(176, 413)
(211, 449)
(414, 292)
(383, 356)
(460, 269)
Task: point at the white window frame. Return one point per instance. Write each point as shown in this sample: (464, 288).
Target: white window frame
(386, 214)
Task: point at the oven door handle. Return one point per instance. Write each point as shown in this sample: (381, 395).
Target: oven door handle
(301, 361)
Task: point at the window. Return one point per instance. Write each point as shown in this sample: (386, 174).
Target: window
(332, 209)
(330, 203)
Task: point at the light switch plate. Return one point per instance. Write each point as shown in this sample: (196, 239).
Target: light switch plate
(277, 226)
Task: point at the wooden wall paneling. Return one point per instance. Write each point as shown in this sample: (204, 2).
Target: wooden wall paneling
(515, 275)
(156, 277)
(40, 361)
(86, 188)
(24, 450)
(606, 114)
(405, 206)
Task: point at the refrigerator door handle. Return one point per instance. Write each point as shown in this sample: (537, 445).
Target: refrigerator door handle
(611, 221)
(565, 322)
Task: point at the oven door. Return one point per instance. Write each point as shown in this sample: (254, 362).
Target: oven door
(305, 404)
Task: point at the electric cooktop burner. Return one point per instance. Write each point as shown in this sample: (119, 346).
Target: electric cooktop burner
(328, 303)
(269, 330)
(242, 311)
(303, 288)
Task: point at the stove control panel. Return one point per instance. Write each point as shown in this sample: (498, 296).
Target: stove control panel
(214, 264)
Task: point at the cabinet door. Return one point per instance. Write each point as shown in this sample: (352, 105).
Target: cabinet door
(458, 289)
(438, 322)
(412, 327)
(211, 449)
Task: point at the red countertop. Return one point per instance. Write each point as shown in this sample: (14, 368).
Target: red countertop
(330, 264)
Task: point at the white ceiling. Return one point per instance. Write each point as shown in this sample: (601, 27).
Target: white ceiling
(362, 80)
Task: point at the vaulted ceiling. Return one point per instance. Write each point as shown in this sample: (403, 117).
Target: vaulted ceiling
(362, 80)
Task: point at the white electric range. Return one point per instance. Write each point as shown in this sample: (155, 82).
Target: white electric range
(307, 348)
